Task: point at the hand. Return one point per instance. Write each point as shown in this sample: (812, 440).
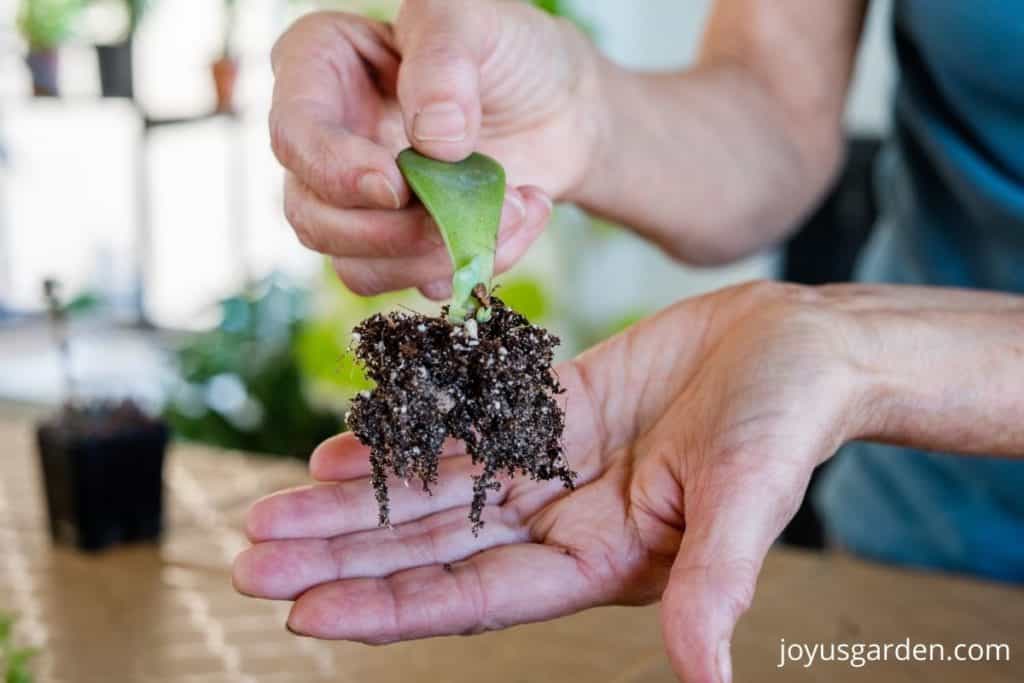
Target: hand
(450, 77)
(694, 435)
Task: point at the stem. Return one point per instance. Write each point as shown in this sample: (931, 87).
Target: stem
(59, 329)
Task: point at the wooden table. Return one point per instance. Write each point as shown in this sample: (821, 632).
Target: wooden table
(170, 614)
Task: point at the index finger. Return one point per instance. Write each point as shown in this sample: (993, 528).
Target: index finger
(328, 106)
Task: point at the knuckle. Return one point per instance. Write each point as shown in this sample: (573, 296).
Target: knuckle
(740, 595)
(309, 237)
(320, 169)
(773, 291)
(297, 214)
(758, 289)
(280, 140)
(255, 527)
(338, 558)
(303, 31)
(354, 281)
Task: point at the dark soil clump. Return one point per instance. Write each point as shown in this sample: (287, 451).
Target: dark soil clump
(99, 420)
(489, 384)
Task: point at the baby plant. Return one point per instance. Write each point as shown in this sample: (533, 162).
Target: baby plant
(465, 200)
(480, 373)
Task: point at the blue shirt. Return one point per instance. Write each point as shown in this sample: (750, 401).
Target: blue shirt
(951, 187)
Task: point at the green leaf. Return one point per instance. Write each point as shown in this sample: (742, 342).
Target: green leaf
(46, 23)
(465, 199)
(526, 295)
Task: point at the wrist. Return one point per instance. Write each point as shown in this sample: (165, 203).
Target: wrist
(862, 387)
(888, 356)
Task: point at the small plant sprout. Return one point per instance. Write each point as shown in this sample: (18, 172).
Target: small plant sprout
(465, 200)
(59, 328)
(480, 374)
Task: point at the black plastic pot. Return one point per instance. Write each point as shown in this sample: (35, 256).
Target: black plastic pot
(103, 477)
(116, 72)
(43, 64)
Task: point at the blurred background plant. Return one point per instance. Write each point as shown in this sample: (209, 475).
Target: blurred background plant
(14, 661)
(44, 25)
(275, 376)
(242, 386)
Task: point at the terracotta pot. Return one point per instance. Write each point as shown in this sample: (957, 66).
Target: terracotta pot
(225, 75)
(43, 63)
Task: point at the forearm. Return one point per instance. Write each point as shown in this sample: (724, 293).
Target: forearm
(720, 160)
(699, 164)
(942, 369)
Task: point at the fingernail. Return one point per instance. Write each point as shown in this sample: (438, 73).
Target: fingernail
(436, 290)
(513, 200)
(374, 186)
(506, 233)
(724, 662)
(512, 216)
(442, 122)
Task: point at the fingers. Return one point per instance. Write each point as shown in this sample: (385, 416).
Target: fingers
(358, 233)
(440, 290)
(512, 584)
(283, 570)
(344, 169)
(327, 110)
(328, 510)
(736, 517)
(342, 457)
(439, 78)
(520, 228)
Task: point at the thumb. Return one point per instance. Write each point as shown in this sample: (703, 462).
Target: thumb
(439, 78)
(730, 526)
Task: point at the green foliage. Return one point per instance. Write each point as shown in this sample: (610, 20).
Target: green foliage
(563, 8)
(526, 295)
(466, 200)
(45, 24)
(282, 354)
(381, 10)
(14, 661)
(86, 302)
(322, 344)
(241, 385)
(136, 9)
(555, 7)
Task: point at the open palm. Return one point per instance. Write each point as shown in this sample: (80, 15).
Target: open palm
(694, 435)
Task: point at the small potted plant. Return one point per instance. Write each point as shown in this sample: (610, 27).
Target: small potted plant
(102, 462)
(225, 68)
(45, 24)
(115, 53)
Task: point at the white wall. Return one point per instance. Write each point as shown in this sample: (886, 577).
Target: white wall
(659, 34)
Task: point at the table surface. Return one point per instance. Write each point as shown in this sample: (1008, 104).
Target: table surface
(170, 614)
